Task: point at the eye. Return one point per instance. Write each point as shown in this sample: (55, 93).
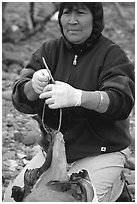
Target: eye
(66, 11)
(81, 11)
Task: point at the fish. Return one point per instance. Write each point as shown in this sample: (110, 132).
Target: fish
(51, 182)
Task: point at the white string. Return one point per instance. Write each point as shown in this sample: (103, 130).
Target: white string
(43, 114)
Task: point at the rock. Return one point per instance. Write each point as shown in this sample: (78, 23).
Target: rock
(12, 164)
(25, 161)
(9, 155)
(5, 75)
(129, 174)
(131, 189)
(130, 163)
(3, 179)
(4, 67)
(8, 47)
(21, 155)
(29, 138)
(130, 177)
(18, 136)
(15, 68)
(9, 124)
(10, 120)
(32, 125)
(7, 182)
(7, 95)
(4, 134)
(7, 84)
(12, 58)
(4, 168)
(13, 77)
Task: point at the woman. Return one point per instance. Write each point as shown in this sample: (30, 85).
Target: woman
(94, 86)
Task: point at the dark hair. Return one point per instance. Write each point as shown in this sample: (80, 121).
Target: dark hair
(72, 5)
(96, 9)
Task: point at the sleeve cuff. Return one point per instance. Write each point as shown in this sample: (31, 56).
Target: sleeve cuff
(114, 104)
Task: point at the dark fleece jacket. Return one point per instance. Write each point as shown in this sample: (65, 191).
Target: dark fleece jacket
(101, 65)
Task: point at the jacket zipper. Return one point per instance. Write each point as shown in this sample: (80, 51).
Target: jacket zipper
(75, 60)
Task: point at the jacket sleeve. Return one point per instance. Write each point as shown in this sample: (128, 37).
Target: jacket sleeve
(117, 79)
(19, 99)
(49, 50)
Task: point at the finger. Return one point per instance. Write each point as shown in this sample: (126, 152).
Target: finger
(45, 73)
(49, 87)
(38, 91)
(42, 84)
(43, 78)
(58, 82)
(39, 88)
(50, 101)
(47, 94)
(52, 106)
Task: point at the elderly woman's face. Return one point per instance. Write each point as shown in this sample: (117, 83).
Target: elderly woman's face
(77, 24)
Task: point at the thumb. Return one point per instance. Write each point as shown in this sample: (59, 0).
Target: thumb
(45, 73)
(59, 83)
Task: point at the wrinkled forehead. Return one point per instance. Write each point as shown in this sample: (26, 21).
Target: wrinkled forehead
(74, 6)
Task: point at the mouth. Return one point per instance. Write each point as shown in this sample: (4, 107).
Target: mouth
(72, 31)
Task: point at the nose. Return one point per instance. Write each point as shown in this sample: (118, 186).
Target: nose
(73, 18)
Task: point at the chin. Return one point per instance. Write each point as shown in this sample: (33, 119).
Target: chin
(74, 41)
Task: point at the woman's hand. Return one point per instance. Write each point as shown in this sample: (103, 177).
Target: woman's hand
(40, 80)
(60, 95)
